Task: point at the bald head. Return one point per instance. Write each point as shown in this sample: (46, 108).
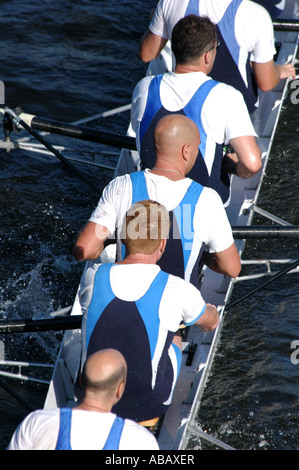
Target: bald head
(104, 371)
(172, 134)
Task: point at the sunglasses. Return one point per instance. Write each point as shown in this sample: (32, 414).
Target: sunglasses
(214, 47)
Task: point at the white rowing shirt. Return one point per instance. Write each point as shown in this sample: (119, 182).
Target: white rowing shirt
(39, 431)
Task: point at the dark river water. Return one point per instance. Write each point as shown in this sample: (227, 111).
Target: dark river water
(69, 60)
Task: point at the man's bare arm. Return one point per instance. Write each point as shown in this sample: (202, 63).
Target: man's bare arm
(268, 75)
(209, 320)
(90, 242)
(247, 158)
(150, 46)
(225, 262)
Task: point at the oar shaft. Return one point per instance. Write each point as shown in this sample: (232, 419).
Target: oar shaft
(71, 322)
(257, 232)
(55, 152)
(11, 392)
(78, 132)
(264, 284)
(286, 25)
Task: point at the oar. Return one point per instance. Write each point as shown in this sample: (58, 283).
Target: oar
(286, 25)
(20, 122)
(71, 322)
(77, 132)
(264, 284)
(258, 232)
(11, 392)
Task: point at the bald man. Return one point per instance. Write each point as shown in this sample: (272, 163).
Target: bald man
(197, 214)
(90, 425)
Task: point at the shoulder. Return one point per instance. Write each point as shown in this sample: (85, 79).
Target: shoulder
(210, 213)
(118, 183)
(226, 92)
(116, 193)
(183, 299)
(211, 196)
(142, 438)
(43, 415)
(38, 423)
(142, 85)
(182, 288)
(209, 199)
(226, 100)
(254, 9)
(40, 419)
(252, 15)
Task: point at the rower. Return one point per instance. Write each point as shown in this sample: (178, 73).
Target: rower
(201, 232)
(137, 308)
(274, 7)
(218, 109)
(90, 425)
(245, 32)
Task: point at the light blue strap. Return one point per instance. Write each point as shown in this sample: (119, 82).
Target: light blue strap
(226, 26)
(153, 105)
(139, 188)
(63, 440)
(113, 439)
(193, 8)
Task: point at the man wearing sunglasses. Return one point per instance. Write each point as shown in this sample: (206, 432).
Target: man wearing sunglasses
(244, 28)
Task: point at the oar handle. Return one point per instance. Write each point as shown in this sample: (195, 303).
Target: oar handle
(264, 284)
(82, 133)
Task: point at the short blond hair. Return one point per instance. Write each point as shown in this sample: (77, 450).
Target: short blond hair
(146, 224)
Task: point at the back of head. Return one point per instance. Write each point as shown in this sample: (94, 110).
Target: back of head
(146, 224)
(171, 133)
(103, 372)
(192, 36)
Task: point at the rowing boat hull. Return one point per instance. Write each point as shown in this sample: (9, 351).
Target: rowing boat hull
(178, 422)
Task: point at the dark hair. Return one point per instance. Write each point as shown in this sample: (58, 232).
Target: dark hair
(192, 36)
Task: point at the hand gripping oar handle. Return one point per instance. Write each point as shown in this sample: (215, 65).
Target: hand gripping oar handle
(19, 121)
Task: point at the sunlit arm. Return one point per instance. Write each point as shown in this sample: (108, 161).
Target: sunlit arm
(247, 159)
(90, 242)
(209, 320)
(225, 262)
(268, 75)
(150, 46)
